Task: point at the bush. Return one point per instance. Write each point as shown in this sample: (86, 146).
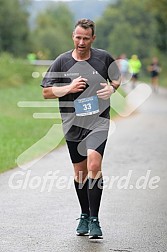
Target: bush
(14, 72)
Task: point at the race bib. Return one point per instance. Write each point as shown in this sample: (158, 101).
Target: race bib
(86, 106)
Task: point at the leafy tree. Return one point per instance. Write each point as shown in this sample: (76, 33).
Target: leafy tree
(53, 31)
(14, 30)
(159, 9)
(126, 27)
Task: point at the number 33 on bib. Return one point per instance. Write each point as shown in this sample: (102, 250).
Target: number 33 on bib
(86, 106)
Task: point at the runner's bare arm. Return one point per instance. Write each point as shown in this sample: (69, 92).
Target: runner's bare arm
(77, 85)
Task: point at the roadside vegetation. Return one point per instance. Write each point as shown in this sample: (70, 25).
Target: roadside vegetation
(18, 129)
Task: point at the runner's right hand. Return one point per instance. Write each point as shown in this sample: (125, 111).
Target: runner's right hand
(78, 85)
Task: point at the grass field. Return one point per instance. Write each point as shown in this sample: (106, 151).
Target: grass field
(18, 129)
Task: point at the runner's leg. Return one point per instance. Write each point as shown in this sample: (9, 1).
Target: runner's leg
(95, 181)
(80, 175)
(81, 185)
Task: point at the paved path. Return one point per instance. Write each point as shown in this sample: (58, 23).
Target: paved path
(133, 219)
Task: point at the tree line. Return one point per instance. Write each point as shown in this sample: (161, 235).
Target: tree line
(134, 26)
(129, 26)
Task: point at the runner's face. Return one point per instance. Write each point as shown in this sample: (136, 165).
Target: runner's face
(83, 39)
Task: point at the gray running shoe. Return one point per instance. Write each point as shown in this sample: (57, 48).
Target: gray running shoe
(83, 228)
(94, 229)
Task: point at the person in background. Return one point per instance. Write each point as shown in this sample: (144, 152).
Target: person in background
(154, 69)
(123, 66)
(31, 57)
(135, 67)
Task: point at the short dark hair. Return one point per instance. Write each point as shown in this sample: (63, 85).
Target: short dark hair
(86, 23)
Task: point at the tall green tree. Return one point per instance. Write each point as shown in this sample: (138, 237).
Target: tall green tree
(14, 30)
(159, 9)
(53, 31)
(126, 27)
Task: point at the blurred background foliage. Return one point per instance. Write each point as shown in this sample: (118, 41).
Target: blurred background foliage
(14, 29)
(123, 26)
(14, 71)
(52, 34)
(129, 26)
(44, 28)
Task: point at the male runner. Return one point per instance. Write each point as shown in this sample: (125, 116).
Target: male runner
(83, 80)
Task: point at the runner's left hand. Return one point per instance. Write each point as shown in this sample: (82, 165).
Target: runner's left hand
(105, 92)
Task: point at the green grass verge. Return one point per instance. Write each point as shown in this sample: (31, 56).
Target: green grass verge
(19, 130)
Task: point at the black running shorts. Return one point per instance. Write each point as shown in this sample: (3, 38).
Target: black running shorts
(95, 141)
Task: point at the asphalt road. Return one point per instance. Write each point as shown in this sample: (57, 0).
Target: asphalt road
(40, 215)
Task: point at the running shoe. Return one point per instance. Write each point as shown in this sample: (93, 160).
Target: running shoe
(83, 226)
(94, 229)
